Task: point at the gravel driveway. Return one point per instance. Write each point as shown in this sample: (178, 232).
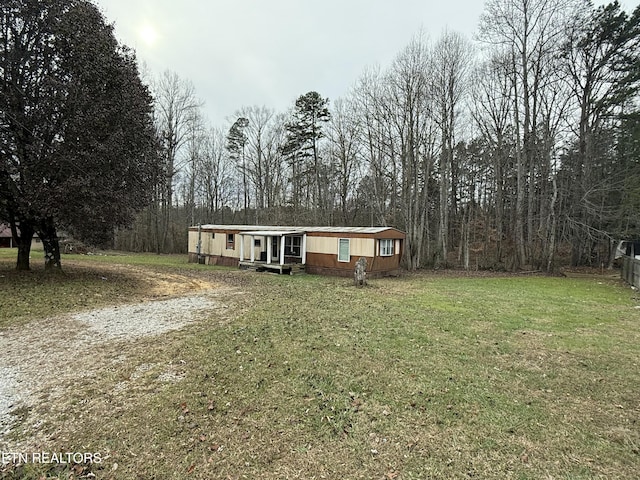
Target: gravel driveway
(37, 359)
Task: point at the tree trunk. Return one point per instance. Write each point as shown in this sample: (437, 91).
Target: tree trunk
(553, 226)
(443, 226)
(499, 202)
(49, 237)
(519, 254)
(24, 244)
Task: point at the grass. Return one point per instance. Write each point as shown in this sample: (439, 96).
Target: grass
(410, 378)
(86, 282)
(34, 294)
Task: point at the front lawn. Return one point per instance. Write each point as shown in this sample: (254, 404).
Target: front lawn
(417, 377)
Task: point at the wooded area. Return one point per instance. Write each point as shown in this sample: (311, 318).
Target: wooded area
(518, 149)
(500, 153)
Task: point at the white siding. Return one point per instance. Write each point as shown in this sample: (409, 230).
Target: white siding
(362, 247)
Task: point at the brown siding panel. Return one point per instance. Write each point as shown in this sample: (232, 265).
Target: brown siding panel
(384, 264)
(223, 261)
(215, 260)
(329, 264)
(337, 272)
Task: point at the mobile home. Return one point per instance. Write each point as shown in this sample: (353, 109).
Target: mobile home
(319, 250)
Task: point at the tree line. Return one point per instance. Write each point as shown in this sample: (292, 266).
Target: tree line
(498, 153)
(511, 151)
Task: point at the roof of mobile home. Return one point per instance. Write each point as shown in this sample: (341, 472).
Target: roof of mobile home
(296, 230)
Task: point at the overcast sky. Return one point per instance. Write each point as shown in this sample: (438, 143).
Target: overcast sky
(268, 52)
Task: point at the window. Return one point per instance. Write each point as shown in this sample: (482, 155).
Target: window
(256, 242)
(230, 241)
(386, 247)
(343, 250)
(213, 235)
(293, 246)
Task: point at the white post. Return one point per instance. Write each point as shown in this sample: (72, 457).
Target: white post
(253, 248)
(199, 246)
(241, 247)
(304, 249)
(268, 250)
(282, 250)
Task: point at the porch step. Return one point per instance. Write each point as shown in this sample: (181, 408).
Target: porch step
(290, 268)
(297, 268)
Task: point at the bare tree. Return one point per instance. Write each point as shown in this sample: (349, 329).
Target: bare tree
(215, 176)
(176, 109)
(259, 167)
(276, 182)
(344, 133)
(528, 32)
(194, 147)
(491, 112)
(408, 106)
(451, 66)
(378, 187)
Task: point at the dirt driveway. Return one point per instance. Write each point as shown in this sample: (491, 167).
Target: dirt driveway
(45, 359)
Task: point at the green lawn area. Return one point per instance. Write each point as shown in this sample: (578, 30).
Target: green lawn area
(419, 377)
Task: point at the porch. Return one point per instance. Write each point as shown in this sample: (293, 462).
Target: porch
(282, 251)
